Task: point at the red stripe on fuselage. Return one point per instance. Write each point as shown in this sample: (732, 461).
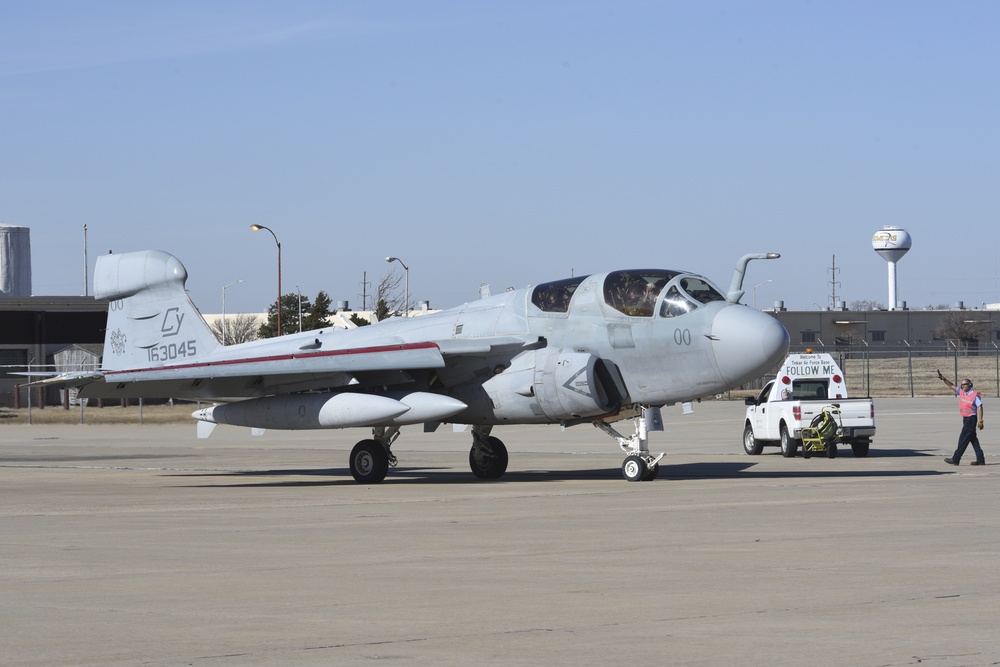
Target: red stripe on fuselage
(283, 357)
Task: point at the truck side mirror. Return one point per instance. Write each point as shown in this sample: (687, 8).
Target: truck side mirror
(749, 400)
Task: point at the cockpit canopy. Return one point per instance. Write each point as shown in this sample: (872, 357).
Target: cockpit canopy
(635, 293)
(687, 294)
(554, 297)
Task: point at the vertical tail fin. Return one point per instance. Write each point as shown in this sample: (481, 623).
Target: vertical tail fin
(151, 320)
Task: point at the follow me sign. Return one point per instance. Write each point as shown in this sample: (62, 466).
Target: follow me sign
(810, 370)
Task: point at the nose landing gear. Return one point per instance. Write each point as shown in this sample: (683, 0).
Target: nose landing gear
(639, 464)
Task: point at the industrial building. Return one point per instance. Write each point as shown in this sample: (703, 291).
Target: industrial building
(844, 329)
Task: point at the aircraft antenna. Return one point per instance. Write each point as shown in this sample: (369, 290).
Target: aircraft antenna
(736, 290)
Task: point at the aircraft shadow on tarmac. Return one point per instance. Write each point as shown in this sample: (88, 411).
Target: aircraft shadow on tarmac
(744, 469)
(85, 458)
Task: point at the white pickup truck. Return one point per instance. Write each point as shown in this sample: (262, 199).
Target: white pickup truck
(804, 385)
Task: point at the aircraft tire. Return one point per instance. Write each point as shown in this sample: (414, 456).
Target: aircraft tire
(634, 468)
(369, 462)
(751, 445)
(489, 461)
(652, 472)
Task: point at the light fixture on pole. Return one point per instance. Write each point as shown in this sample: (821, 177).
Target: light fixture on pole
(257, 228)
(755, 290)
(224, 340)
(406, 271)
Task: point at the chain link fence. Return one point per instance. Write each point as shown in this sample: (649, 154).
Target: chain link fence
(908, 370)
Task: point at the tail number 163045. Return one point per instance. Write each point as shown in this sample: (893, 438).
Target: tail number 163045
(170, 351)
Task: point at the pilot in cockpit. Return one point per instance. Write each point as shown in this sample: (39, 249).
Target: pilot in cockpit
(653, 291)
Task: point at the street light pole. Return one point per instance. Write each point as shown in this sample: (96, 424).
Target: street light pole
(224, 342)
(755, 291)
(406, 271)
(86, 268)
(257, 228)
(299, 290)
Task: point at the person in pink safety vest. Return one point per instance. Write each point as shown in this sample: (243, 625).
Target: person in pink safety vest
(970, 405)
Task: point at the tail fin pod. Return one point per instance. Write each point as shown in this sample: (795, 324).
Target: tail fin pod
(151, 320)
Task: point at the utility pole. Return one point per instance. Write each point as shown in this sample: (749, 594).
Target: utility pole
(833, 283)
(364, 291)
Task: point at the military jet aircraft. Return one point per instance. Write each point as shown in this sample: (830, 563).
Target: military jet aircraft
(589, 349)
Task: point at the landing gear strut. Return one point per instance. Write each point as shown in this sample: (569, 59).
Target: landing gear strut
(371, 459)
(639, 464)
(488, 456)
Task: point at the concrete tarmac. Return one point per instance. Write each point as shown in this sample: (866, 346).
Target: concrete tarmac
(140, 545)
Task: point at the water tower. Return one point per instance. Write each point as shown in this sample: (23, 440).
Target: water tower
(892, 243)
(15, 261)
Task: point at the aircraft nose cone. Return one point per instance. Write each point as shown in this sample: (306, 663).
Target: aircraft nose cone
(747, 343)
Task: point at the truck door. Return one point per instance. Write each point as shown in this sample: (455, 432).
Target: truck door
(760, 422)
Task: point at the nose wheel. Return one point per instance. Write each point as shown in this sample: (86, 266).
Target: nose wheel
(635, 468)
(639, 465)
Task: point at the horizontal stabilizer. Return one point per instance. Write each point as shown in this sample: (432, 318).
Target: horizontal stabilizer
(70, 379)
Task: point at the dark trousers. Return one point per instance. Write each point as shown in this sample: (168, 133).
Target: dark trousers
(968, 435)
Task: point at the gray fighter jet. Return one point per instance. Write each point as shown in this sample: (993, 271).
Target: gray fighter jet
(591, 349)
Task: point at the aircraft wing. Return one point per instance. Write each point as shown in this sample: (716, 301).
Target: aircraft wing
(456, 347)
(385, 363)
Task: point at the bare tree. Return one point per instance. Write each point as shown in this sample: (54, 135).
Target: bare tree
(240, 328)
(389, 297)
(957, 328)
(866, 304)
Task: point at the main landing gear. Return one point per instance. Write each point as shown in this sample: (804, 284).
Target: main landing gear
(639, 464)
(371, 459)
(488, 456)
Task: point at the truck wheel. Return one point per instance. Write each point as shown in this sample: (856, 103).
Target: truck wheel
(750, 444)
(860, 447)
(788, 443)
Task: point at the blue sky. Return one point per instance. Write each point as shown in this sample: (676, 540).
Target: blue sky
(506, 143)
